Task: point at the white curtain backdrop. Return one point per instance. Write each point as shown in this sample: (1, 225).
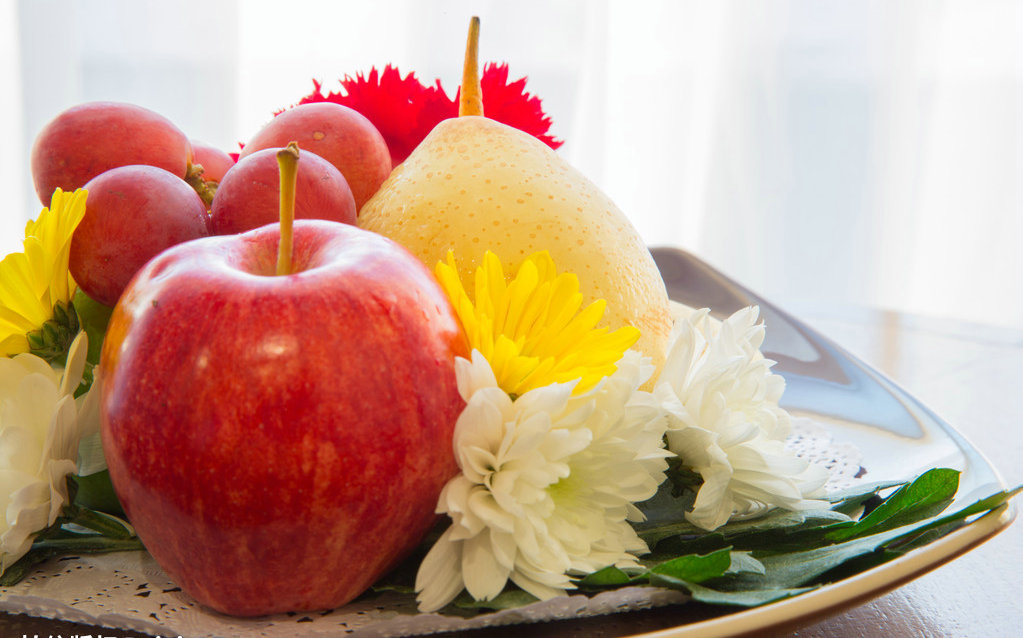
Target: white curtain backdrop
(852, 153)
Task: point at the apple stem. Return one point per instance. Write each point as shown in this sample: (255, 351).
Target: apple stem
(470, 101)
(287, 161)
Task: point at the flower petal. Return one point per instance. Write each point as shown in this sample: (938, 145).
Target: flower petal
(439, 580)
(483, 574)
(721, 399)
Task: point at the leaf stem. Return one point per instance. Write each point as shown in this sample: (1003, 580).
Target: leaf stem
(106, 525)
(47, 548)
(89, 543)
(287, 161)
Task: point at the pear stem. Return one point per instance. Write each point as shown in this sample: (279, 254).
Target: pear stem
(287, 162)
(470, 101)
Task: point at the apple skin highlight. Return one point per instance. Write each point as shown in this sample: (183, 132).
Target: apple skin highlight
(280, 442)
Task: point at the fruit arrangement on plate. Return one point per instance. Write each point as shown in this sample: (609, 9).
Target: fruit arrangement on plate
(399, 348)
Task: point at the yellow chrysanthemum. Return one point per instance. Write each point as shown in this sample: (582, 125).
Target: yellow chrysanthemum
(34, 281)
(531, 329)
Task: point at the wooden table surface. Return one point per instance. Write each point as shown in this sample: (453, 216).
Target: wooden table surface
(972, 376)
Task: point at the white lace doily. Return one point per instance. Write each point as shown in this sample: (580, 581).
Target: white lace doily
(812, 442)
(129, 591)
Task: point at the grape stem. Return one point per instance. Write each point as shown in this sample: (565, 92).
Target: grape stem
(470, 101)
(287, 162)
(205, 189)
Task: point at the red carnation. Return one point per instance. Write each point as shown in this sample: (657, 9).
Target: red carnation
(512, 105)
(405, 111)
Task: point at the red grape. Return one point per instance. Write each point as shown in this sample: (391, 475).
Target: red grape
(91, 138)
(249, 195)
(214, 161)
(132, 213)
(338, 134)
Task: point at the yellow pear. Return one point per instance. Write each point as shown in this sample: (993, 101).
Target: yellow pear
(475, 184)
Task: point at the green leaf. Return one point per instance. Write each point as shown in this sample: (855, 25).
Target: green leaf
(797, 568)
(779, 530)
(925, 497)
(665, 519)
(395, 587)
(780, 519)
(861, 491)
(985, 504)
(744, 563)
(95, 492)
(664, 516)
(747, 534)
(508, 599)
(105, 524)
(851, 501)
(793, 569)
(675, 546)
(610, 576)
(94, 318)
(751, 596)
(784, 530)
(684, 481)
(694, 568)
(778, 555)
(950, 523)
(747, 598)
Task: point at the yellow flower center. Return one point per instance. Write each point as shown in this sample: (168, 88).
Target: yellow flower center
(531, 328)
(32, 282)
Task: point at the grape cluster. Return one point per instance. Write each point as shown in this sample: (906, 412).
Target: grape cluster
(151, 187)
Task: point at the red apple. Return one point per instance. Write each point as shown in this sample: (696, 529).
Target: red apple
(338, 134)
(280, 442)
(249, 196)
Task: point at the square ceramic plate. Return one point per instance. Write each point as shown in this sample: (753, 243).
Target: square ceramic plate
(898, 436)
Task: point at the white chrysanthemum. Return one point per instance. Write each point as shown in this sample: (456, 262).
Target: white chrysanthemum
(40, 427)
(725, 421)
(547, 486)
